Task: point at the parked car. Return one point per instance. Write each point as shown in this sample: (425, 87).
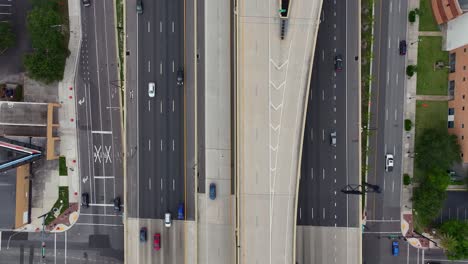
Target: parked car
(403, 47)
(167, 220)
(338, 63)
(117, 204)
(143, 234)
(212, 191)
(157, 241)
(180, 212)
(333, 138)
(86, 2)
(151, 89)
(85, 199)
(395, 248)
(180, 76)
(388, 162)
(139, 6)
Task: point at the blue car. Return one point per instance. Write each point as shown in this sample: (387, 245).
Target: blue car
(180, 212)
(212, 191)
(395, 248)
(143, 234)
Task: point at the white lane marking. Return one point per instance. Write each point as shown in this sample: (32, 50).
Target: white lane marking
(323, 55)
(391, 5)
(149, 144)
(161, 184)
(104, 177)
(323, 173)
(394, 149)
(311, 134)
(323, 213)
(396, 114)
(334, 37)
(160, 68)
(389, 45)
(149, 183)
(323, 135)
(172, 26)
(385, 148)
(99, 214)
(397, 79)
(149, 27)
(388, 77)
(101, 132)
(386, 114)
(160, 26)
(300, 213)
(161, 145)
(312, 213)
(149, 106)
(399, 11)
(160, 107)
(92, 224)
(312, 173)
(334, 25)
(173, 106)
(173, 66)
(323, 95)
(173, 145)
(173, 184)
(55, 248)
(334, 121)
(393, 186)
(334, 13)
(384, 183)
(0, 240)
(101, 205)
(66, 247)
(149, 66)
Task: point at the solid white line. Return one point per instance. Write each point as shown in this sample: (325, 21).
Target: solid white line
(93, 224)
(66, 246)
(101, 132)
(55, 248)
(149, 26)
(384, 221)
(103, 177)
(149, 144)
(407, 253)
(0, 240)
(378, 232)
(102, 205)
(149, 66)
(99, 214)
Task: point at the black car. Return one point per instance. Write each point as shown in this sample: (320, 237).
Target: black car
(338, 63)
(117, 204)
(139, 7)
(86, 2)
(85, 199)
(180, 77)
(403, 47)
(143, 234)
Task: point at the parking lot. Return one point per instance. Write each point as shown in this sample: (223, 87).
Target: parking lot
(455, 207)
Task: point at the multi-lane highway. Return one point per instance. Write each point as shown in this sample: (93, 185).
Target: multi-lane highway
(160, 124)
(333, 107)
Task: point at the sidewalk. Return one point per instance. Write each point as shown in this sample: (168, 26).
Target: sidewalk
(407, 227)
(67, 146)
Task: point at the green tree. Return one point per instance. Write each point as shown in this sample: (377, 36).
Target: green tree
(436, 149)
(455, 239)
(7, 38)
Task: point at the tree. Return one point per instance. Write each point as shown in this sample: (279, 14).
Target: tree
(411, 70)
(436, 149)
(455, 239)
(7, 39)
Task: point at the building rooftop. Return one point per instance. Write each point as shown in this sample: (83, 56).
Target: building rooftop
(456, 32)
(445, 10)
(463, 4)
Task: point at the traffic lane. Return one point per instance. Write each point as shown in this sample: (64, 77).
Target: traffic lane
(377, 248)
(112, 218)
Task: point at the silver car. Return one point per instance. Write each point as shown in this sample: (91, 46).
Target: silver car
(333, 138)
(151, 89)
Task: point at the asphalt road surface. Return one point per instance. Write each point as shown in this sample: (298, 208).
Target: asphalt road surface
(333, 107)
(383, 209)
(160, 31)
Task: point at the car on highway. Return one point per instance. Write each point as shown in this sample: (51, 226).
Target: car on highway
(85, 199)
(167, 219)
(212, 191)
(403, 47)
(395, 248)
(180, 76)
(139, 6)
(333, 138)
(338, 63)
(143, 234)
(151, 89)
(117, 204)
(180, 211)
(388, 162)
(157, 241)
(86, 2)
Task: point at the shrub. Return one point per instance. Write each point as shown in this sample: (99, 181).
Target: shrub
(412, 16)
(406, 179)
(63, 170)
(408, 124)
(410, 70)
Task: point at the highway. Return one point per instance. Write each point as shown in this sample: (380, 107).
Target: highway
(386, 125)
(160, 124)
(333, 107)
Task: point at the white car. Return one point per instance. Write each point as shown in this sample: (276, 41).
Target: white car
(167, 220)
(151, 89)
(388, 162)
(333, 138)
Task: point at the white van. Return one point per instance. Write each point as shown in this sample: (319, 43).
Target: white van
(151, 89)
(167, 220)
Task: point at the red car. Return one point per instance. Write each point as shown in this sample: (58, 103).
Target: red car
(157, 241)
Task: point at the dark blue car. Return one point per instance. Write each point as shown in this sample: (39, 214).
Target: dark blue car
(212, 191)
(143, 234)
(180, 212)
(395, 248)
